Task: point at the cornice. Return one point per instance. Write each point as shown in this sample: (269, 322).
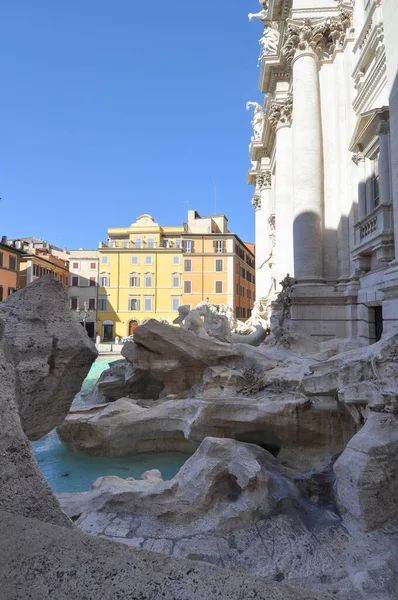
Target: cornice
(374, 79)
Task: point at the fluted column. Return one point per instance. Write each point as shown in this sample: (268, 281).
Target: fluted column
(307, 154)
(262, 202)
(280, 116)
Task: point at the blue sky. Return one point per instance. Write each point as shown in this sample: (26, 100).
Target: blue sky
(112, 108)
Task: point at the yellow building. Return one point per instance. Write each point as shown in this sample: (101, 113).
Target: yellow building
(147, 271)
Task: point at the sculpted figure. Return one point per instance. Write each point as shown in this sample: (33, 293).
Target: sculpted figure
(270, 40)
(258, 120)
(262, 15)
(215, 324)
(190, 320)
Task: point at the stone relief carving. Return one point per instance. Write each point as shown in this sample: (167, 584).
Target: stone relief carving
(258, 120)
(263, 180)
(320, 37)
(256, 201)
(280, 112)
(269, 41)
(262, 15)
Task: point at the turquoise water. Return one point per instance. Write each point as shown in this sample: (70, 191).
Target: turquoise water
(69, 472)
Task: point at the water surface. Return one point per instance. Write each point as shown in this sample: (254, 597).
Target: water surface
(70, 472)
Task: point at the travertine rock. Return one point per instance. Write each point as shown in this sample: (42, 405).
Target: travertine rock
(44, 357)
(176, 357)
(281, 420)
(367, 473)
(50, 351)
(224, 484)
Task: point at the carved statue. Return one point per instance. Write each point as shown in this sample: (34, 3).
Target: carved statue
(262, 15)
(281, 319)
(215, 324)
(258, 120)
(270, 40)
(190, 320)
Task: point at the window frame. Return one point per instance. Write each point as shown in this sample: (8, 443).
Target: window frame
(215, 287)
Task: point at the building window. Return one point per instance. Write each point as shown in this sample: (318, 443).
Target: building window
(244, 313)
(151, 242)
(125, 244)
(237, 289)
(242, 272)
(376, 182)
(187, 265)
(11, 291)
(176, 260)
(104, 281)
(165, 243)
(149, 260)
(187, 287)
(1, 259)
(242, 291)
(175, 303)
(177, 243)
(219, 287)
(148, 280)
(148, 304)
(237, 269)
(73, 303)
(36, 271)
(188, 246)
(102, 303)
(93, 281)
(93, 265)
(135, 260)
(134, 280)
(1, 293)
(137, 242)
(75, 281)
(75, 265)
(219, 264)
(134, 304)
(175, 280)
(113, 244)
(218, 246)
(91, 304)
(104, 260)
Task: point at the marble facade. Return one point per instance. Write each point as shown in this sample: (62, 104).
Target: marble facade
(323, 164)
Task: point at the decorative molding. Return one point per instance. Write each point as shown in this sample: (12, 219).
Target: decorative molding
(256, 201)
(263, 180)
(321, 37)
(280, 112)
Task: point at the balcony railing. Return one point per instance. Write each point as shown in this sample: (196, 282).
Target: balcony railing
(375, 233)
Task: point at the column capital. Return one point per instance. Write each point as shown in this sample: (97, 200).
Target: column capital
(263, 180)
(358, 157)
(280, 112)
(317, 37)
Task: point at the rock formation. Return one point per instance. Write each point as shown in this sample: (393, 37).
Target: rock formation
(44, 357)
(44, 354)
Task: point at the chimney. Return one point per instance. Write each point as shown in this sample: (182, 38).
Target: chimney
(4, 239)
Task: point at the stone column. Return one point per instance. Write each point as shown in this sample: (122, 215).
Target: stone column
(359, 160)
(262, 202)
(280, 116)
(302, 46)
(384, 163)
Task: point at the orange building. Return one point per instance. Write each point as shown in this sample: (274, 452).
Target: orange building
(9, 269)
(217, 266)
(39, 258)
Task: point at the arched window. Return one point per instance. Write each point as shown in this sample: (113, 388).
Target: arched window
(176, 280)
(104, 280)
(148, 278)
(134, 280)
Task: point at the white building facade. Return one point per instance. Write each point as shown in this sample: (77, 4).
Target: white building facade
(83, 286)
(323, 163)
